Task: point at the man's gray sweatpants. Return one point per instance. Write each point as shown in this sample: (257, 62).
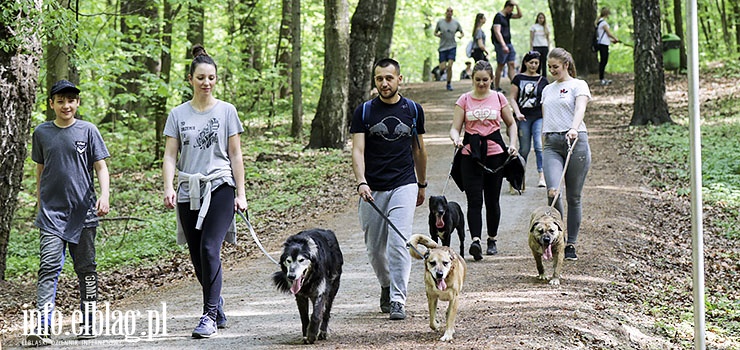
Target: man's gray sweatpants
(52, 248)
(387, 251)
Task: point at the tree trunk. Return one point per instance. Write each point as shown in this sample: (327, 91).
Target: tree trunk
(678, 19)
(19, 67)
(329, 129)
(650, 105)
(195, 35)
(562, 26)
(57, 54)
(159, 101)
(585, 59)
(129, 82)
(363, 40)
(385, 38)
(736, 11)
(284, 47)
(296, 127)
(721, 9)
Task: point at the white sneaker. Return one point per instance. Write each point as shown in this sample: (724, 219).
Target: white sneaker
(542, 182)
(605, 82)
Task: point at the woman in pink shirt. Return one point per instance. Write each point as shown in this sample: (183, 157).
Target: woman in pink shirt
(476, 128)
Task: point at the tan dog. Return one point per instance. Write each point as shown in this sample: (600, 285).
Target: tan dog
(547, 240)
(444, 276)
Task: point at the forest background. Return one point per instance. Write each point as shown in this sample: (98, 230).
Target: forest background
(116, 52)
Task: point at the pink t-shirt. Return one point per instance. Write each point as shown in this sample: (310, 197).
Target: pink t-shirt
(482, 117)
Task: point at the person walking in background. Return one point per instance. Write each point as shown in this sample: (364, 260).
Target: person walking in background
(526, 101)
(563, 107)
(476, 128)
(66, 151)
(389, 162)
(205, 132)
(605, 38)
(466, 73)
(446, 29)
(479, 39)
(501, 36)
(539, 40)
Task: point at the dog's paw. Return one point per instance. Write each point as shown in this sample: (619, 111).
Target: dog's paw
(322, 335)
(447, 336)
(555, 281)
(434, 325)
(542, 277)
(310, 339)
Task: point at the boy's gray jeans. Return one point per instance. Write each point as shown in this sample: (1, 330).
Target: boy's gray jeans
(52, 248)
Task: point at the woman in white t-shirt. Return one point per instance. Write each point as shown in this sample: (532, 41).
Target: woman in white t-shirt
(539, 39)
(563, 107)
(476, 128)
(605, 38)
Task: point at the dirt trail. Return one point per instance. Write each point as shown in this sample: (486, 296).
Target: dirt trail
(503, 305)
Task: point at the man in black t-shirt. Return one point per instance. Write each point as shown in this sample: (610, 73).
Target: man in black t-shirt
(501, 36)
(389, 162)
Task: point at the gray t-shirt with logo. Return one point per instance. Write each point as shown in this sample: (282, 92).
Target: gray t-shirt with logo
(204, 141)
(447, 33)
(67, 187)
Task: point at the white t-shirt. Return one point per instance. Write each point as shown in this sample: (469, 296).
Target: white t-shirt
(540, 38)
(559, 104)
(601, 33)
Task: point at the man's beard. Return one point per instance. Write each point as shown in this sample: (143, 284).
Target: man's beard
(388, 94)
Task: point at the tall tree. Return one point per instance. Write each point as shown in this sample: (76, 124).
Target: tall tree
(282, 59)
(678, 20)
(139, 24)
(562, 26)
(736, 11)
(57, 55)
(20, 49)
(328, 129)
(650, 105)
(296, 127)
(196, 35)
(584, 28)
(363, 38)
(385, 38)
(159, 100)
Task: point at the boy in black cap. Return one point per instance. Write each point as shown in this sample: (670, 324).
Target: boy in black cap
(66, 150)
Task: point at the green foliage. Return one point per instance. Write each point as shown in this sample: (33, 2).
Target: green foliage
(18, 22)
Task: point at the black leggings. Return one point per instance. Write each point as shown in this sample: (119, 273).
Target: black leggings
(479, 184)
(543, 50)
(205, 244)
(603, 59)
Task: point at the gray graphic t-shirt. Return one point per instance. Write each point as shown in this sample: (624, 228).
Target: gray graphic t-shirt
(204, 141)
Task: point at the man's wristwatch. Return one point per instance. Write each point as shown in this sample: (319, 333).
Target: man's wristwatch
(422, 185)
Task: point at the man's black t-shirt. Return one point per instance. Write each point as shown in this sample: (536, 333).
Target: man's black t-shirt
(505, 28)
(388, 140)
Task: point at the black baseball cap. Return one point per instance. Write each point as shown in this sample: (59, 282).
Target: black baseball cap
(63, 86)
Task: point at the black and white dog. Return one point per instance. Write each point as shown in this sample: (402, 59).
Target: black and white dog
(311, 265)
(445, 217)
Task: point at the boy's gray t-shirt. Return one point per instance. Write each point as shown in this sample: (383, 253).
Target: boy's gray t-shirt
(67, 188)
(204, 141)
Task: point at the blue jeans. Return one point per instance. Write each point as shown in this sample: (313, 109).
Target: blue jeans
(554, 153)
(531, 130)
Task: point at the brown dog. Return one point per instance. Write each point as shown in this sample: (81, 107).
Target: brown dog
(547, 240)
(443, 277)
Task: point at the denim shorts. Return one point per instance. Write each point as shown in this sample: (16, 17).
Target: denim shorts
(447, 55)
(502, 57)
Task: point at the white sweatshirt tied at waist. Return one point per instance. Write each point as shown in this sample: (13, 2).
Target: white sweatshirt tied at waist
(194, 181)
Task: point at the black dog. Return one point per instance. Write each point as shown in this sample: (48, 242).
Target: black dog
(444, 217)
(311, 266)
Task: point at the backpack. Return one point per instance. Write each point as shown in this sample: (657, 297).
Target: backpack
(596, 38)
(469, 48)
(366, 106)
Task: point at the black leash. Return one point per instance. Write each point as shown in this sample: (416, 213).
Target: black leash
(372, 204)
(254, 236)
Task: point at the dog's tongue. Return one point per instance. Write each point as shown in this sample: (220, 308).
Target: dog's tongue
(440, 222)
(441, 285)
(296, 285)
(547, 254)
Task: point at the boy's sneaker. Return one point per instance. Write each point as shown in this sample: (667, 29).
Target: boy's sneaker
(221, 321)
(206, 328)
(475, 250)
(570, 252)
(605, 81)
(37, 337)
(385, 299)
(86, 332)
(397, 311)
